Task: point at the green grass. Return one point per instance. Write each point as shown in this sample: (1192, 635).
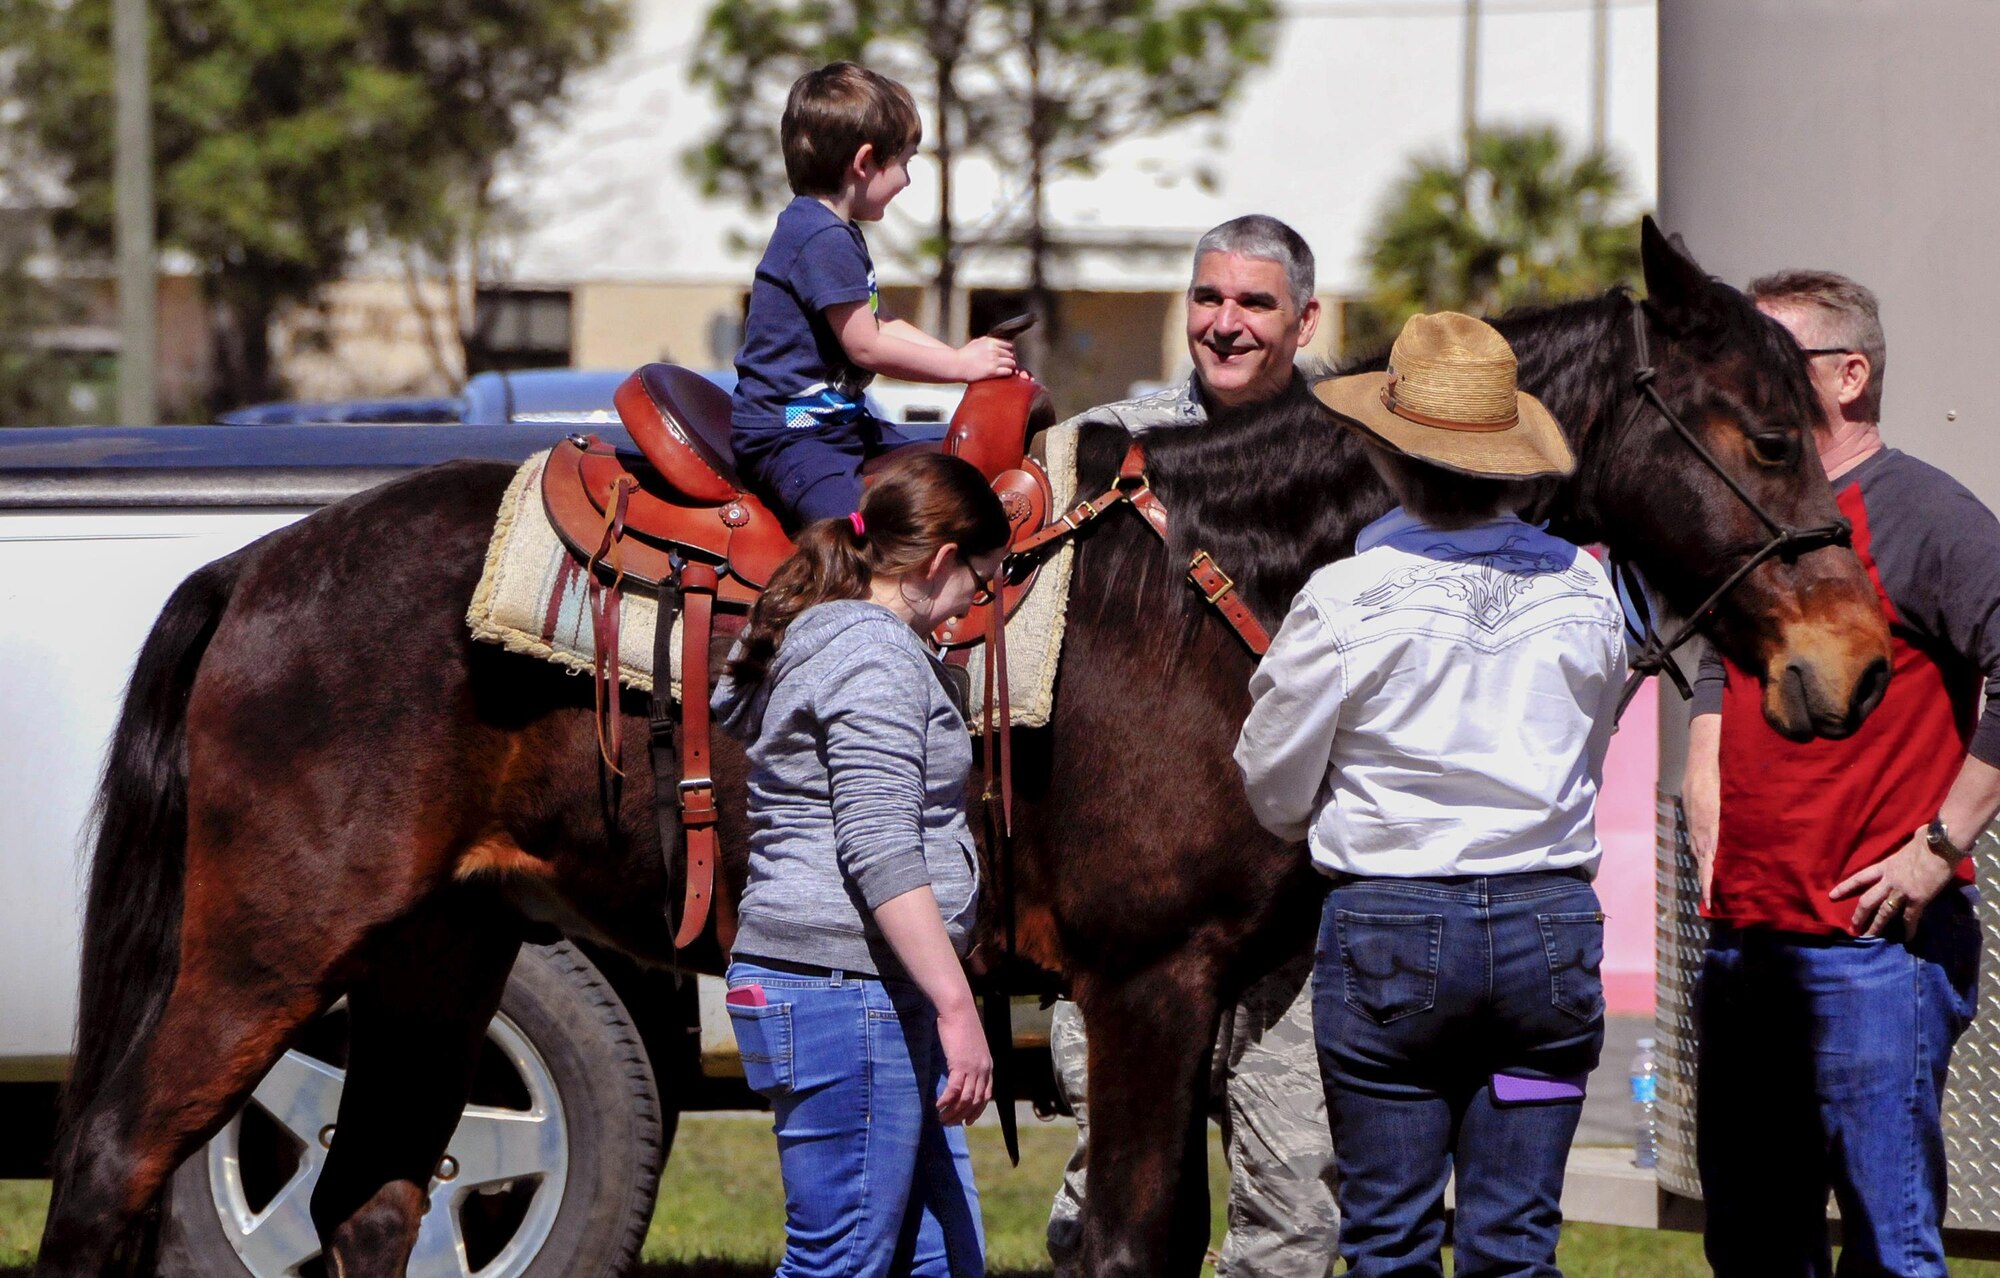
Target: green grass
(721, 1196)
(722, 1209)
(23, 1204)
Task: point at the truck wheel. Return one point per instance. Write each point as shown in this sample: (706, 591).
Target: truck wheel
(552, 1172)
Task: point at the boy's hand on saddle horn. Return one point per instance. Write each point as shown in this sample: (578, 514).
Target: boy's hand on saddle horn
(968, 1064)
(985, 357)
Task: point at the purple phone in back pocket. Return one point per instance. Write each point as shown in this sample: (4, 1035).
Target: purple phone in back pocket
(1513, 1089)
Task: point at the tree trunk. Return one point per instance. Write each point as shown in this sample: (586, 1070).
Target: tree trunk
(1040, 297)
(240, 312)
(448, 364)
(944, 52)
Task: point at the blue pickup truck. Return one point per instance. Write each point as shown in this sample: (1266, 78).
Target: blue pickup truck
(563, 395)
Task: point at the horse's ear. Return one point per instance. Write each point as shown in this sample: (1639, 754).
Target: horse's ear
(1676, 286)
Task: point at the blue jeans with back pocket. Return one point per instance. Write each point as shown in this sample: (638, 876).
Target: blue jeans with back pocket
(874, 1184)
(1423, 990)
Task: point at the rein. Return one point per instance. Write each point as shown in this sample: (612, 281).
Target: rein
(1655, 653)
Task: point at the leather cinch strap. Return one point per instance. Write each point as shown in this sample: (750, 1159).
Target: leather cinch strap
(683, 789)
(998, 744)
(696, 791)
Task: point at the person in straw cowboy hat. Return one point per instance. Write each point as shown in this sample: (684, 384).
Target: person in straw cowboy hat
(1432, 720)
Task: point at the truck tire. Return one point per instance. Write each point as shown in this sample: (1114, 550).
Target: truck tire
(552, 1172)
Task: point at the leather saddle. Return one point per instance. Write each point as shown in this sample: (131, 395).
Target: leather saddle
(680, 494)
(675, 519)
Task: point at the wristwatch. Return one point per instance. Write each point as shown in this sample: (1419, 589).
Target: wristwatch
(1937, 837)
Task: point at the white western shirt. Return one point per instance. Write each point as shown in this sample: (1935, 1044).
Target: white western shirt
(1439, 703)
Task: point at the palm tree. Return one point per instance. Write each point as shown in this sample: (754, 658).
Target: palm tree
(1522, 222)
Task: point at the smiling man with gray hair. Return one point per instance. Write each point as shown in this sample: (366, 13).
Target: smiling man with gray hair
(1250, 308)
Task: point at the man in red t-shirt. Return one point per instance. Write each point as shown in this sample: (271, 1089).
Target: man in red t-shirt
(1844, 946)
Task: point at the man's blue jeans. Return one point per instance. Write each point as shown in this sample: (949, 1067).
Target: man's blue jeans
(874, 1184)
(1423, 991)
(1822, 1066)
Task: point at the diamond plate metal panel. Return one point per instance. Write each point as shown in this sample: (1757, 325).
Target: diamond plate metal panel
(1972, 1097)
(1678, 938)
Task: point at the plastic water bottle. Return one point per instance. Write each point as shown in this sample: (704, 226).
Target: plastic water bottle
(1646, 1103)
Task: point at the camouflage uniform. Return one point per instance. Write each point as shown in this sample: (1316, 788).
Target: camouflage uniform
(1282, 1219)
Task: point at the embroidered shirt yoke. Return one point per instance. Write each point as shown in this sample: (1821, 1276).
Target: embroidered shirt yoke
(1439, 703)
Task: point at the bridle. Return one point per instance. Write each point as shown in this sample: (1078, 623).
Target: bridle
(1653, 654)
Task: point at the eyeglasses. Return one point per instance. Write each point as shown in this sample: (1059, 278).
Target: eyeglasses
(1813, 352)
(982, 587)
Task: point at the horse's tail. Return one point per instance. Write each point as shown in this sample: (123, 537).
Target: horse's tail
(132, 915)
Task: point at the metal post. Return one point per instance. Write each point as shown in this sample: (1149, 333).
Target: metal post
(1600, 71)
(138, 271)
(1469, 93)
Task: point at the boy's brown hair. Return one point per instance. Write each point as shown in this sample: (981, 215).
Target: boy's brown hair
(833, 111)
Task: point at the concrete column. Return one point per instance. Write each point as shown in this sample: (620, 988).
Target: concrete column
(1857, 138)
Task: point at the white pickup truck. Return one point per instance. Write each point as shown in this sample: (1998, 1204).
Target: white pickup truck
(590, 1060)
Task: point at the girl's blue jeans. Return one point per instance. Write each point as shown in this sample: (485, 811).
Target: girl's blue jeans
(874, 1184)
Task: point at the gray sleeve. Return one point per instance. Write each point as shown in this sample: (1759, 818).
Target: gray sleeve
(874, 712)
(1708, 682)
(1950, 590)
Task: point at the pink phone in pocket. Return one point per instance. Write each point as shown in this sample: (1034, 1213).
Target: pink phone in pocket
(746, 996)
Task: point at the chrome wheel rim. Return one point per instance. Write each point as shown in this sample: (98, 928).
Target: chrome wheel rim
(492, 1200)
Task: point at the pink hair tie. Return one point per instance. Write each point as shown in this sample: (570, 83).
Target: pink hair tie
(854, 520)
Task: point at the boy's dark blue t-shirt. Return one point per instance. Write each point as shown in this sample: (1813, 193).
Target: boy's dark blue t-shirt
(791, 370)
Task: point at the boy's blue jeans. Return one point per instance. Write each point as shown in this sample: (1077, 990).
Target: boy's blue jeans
(814, 472)
(1822, 1065)
(874, 1184)
(1423, 990)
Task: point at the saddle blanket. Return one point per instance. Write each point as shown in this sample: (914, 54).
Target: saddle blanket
(532, 599)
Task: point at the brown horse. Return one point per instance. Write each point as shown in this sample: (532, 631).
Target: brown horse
(320, 786)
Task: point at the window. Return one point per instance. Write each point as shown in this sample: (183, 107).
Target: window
(519, 328)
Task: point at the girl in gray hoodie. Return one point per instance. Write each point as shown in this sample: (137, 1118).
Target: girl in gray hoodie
(846, 989)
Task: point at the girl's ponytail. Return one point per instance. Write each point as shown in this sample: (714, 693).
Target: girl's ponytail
(830, 563)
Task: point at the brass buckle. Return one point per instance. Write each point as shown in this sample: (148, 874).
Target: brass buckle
(1228, 583)
(1085, 511)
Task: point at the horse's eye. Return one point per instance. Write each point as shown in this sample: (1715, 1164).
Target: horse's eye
(1774, 449)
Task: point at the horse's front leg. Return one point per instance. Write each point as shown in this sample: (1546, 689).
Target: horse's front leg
(1151, 1035)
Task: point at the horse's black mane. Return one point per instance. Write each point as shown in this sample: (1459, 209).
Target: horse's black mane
(1275, 492)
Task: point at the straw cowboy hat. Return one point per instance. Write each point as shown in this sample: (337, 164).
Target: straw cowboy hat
(1449, 398)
